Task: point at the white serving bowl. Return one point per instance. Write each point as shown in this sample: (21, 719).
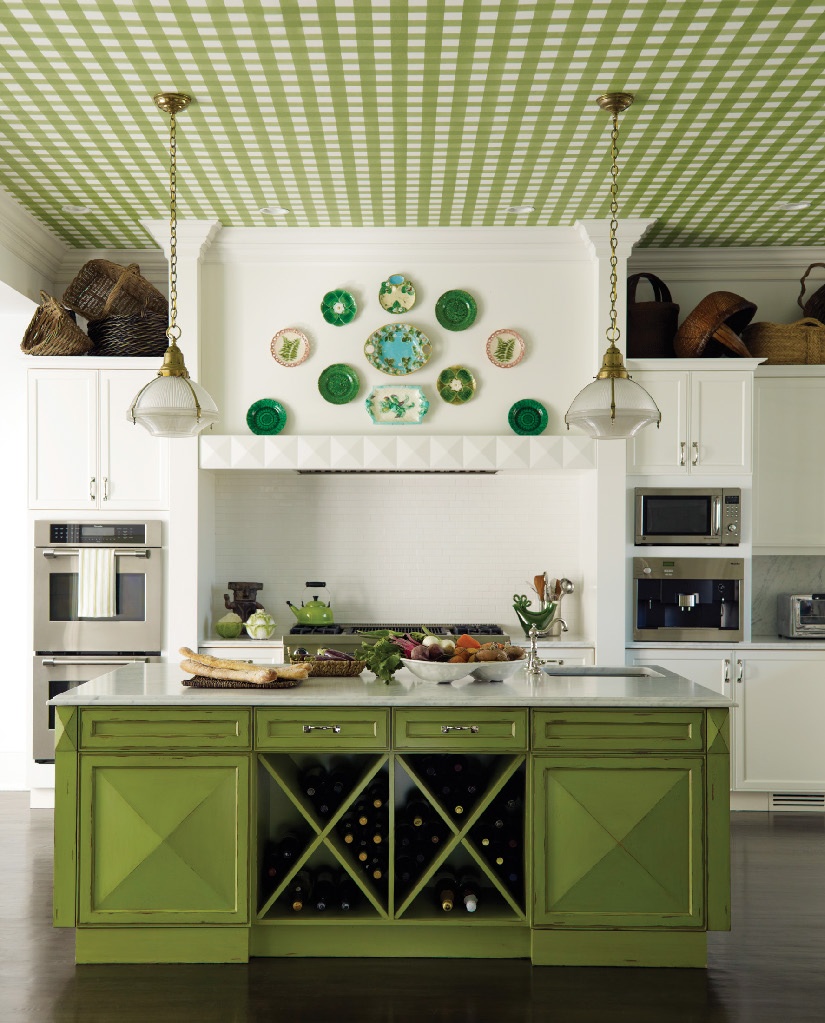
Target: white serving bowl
(437, 671)
(495, 671)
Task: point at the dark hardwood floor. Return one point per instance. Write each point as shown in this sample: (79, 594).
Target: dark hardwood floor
(769, 969)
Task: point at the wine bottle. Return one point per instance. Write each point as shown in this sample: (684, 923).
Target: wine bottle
(347, 892)
(427, 766)
(457, 764)
(362, 814)
(405, 869)
(417, 812)
(290, 846)
(446, 891)
(339, 780)
(405, 836)
(299, 891)
(468, 888)
(482, 834)
(378, 792)
(376, 867)
(323, 889)
(312, 780)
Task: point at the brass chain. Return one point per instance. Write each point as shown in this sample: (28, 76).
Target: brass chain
(173, 330)
(613, 332)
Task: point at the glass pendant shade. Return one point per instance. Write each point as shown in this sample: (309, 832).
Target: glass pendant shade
(613, 407)
(168, 406)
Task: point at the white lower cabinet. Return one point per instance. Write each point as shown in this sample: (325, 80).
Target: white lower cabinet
(556, 653)
(776, 744)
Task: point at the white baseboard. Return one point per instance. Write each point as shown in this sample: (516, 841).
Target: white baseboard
(13, 772)
(41, 799)
(750, 801)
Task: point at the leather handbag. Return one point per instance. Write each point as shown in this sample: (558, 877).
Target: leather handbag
(651, 326)
(815, 306)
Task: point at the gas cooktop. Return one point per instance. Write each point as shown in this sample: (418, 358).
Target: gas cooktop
(355, 628)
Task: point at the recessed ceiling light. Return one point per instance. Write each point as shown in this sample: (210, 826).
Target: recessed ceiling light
(790, 207)
(274, 211)
(74, 209)
(520, 209)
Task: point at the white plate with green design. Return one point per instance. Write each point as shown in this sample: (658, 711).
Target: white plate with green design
(505, 348)
(396, 294)
(289, 347)
(397, 404)
(398, 349)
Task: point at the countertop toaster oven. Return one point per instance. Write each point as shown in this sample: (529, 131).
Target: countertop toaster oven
(801, 615)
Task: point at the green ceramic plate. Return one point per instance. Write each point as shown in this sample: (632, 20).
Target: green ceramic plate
(527, 417)
(456, 384)
(266, 416)
(456, 310)
(339, 383)
(338, 308)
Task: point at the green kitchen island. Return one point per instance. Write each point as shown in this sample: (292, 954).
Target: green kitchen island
(168, 798)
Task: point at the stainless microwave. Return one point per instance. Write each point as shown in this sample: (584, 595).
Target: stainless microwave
(705, 516)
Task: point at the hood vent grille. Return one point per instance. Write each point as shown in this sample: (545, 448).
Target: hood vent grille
(811, 801)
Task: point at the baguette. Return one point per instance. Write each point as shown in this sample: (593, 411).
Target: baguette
(248, 673)
(214, 662)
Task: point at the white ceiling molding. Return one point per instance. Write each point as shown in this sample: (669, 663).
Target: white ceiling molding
(399, 453)
(747, 263)
(596, 235)
(32, 255)
(370, 244)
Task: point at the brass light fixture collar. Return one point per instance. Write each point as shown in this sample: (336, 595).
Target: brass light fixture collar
(612, 365)
(172, 102)
(615, 102)
(173, 364)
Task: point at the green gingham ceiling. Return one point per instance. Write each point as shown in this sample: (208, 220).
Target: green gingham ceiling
(417, 112)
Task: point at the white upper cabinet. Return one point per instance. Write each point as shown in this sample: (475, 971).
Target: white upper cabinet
(789, 481)
(83, 452)
(706, 424)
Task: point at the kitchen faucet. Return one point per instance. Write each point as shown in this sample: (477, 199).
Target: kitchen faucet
(534, 662)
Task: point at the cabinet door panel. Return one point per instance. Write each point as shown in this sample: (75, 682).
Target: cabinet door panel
(619, 842)
(720, 422)
(134, 466)
(63, 439)
(660, 450)
(170, 839)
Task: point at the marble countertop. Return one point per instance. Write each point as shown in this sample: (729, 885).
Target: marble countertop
(143, 685)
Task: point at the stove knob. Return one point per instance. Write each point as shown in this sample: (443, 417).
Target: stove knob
(733, 528)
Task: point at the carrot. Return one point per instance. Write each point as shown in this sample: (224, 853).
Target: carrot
(468, 642)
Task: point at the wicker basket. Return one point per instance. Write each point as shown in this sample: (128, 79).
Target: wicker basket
(201, 682)
(53, 331)
(130, 335)
(815, 306)
(651, 326)
(802, 342)
(334, 669)
(103, 289)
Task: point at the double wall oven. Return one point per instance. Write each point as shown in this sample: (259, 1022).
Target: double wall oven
(71, 648)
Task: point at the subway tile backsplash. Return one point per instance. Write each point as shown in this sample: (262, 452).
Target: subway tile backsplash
(397, 547)
(781, 573)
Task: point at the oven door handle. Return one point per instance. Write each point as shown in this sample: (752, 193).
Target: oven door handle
(54, 662)
(49, 552)
(716, 516)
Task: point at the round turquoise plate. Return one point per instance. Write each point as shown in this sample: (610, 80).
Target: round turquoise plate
(266, 416)
(527, 417)
(339, 383)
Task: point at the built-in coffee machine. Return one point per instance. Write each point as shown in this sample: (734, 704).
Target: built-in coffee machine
(684, 599)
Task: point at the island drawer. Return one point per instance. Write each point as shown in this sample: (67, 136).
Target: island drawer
(316, 728)
(485, 729)
(608, 729)
(164, 729)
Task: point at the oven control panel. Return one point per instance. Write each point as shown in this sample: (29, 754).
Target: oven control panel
(84, 533)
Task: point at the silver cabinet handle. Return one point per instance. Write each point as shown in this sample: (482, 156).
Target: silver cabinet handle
(682, 446)
(92, 489)
(445, 729)
(105, 488)
(552, 660)
(695, 459)
(740, 670)
(322, 728)
(54, 662)
(72, 552)
(726, 670)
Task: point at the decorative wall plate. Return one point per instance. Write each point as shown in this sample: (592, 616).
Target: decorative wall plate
(398, 349)
(505, 348)
(338, 308)
(289, 347)
(339, 383)
(266, 416)
(396, 294)
(456, 310)
(397, 404)
(527, 417)
(456, 384)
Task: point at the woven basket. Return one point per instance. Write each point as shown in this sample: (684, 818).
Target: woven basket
(201, 682)
(780, 344)
(334, 669)
(104, 289)
(53, 331)
(651, 326)
(130, 335)
(815, 306)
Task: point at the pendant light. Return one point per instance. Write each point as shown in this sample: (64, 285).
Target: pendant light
(173, 405)
(613, 405)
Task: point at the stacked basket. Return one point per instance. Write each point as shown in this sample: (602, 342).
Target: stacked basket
(125, 313)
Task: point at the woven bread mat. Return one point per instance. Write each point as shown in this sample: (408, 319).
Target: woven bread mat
(200, 682)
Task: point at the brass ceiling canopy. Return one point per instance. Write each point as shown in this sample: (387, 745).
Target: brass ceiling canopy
(172, 102)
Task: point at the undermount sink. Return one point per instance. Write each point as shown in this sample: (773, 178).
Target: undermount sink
(632, 671)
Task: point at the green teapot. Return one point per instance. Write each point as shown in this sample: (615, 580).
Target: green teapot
(314, 611)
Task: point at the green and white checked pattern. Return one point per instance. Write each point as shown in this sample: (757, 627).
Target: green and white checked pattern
(416, 112)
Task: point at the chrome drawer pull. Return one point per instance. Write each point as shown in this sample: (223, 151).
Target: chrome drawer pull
(322, 728)
(445, 729)
(695, 459)
(682, 446)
